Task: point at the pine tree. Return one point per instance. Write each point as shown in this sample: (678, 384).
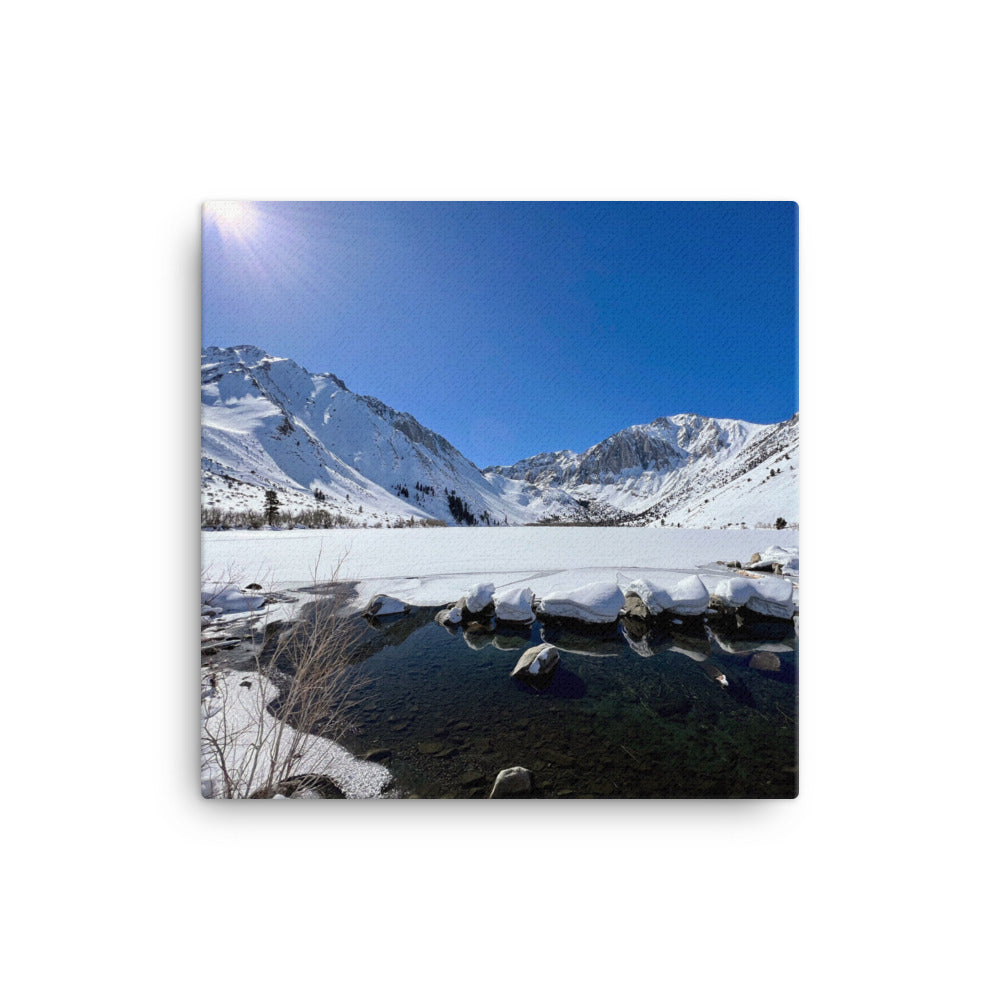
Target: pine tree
(270, 506)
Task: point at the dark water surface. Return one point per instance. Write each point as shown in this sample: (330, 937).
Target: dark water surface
(439, 708)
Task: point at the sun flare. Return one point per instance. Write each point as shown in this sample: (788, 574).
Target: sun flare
(233, 218)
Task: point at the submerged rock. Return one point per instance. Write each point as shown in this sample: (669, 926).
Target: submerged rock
(511, 782)
(765, 661)
(715, 674)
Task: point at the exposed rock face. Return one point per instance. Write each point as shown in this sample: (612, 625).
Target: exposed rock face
(511, 782)
(663, 445)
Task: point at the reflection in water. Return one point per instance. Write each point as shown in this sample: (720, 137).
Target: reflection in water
(630, 711)
(603, 641)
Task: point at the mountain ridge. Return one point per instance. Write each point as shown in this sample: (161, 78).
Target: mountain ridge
(268, 424)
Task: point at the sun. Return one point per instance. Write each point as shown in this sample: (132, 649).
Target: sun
(233, 219)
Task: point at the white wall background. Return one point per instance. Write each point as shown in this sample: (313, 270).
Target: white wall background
(121, 119)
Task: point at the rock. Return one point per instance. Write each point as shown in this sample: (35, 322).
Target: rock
(715, 674)
(511, 782)
(381, 753)
(253, 586)
(765, 661)
(681, 595)
(634, 607)
(772, 597)
(302, 786)
(514, 605)
(479, 600)
(598, 602)
(537, 663)
(381, 604)
(430, 747)
(449, 616)
(470, 778)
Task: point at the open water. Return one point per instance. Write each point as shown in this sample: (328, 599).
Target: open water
(627, 715)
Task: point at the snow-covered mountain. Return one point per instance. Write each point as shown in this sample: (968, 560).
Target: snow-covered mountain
(686, 469)
(268, 424)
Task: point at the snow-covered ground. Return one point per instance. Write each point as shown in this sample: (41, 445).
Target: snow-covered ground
(237, 732)
(581, 573)
(430, 567)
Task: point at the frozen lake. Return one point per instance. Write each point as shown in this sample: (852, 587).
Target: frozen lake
(432, 566)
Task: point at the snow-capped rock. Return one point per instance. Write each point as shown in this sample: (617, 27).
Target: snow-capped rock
(514, 604)
(684, 596)
(380, 605)
(597, 603)
(537, 663)
(449, 616)
(478, 598)
(772, 596)
(511, 781)
(230, 600)
(767, 595)
(785, 559)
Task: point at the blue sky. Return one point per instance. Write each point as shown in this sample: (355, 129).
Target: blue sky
(518, 327)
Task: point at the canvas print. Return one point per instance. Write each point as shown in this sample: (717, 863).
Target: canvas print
(499, 500)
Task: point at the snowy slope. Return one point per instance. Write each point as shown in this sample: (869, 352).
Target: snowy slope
(267, 423)
(686, 469)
